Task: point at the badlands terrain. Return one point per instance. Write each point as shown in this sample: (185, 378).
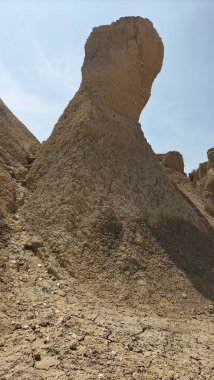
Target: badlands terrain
(106, 248)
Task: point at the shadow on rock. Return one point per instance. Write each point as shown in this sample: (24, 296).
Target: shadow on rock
(191, 250)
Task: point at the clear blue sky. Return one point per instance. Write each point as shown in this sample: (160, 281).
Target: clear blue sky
(42, 49)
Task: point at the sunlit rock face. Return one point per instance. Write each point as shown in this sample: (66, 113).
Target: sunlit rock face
(96, 185)
(206, 183)
(121, 62)
(203, 180)
(172, 160)
(210, 155)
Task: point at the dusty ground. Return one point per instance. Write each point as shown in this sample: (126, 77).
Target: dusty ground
(53, 328)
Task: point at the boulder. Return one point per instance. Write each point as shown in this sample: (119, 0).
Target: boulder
(172, 160)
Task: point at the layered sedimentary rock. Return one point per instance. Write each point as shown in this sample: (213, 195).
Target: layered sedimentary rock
(100, 199)
(203, 180)
(17, 150)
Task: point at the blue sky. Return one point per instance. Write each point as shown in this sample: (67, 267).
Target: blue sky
(42, 49)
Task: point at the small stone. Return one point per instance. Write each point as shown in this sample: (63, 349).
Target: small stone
(80, 338)
(44, 323)
(142, 368)
(31, 316)
(61, 293)
(127, 371)
(73, 346)
(33, 245)
(52, 272)
(37, 357)
(129, 346)
(39, 265)
(65, 318)
(210, 309)
(17, 326)
(184, 295)
(135, 376)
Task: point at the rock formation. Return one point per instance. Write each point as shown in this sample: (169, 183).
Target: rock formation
(99, 197)
(203, 180)
(210, 155)
(17, 149)
(107, 271)
(121, 62)
(172, 160)
(173, 166)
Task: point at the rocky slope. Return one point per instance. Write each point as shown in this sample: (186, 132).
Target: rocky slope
(52, 328)
(17, 151)
(99, 198)
(108, 272)
(173, 166)
(203, 180)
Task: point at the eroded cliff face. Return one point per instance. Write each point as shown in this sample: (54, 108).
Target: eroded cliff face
(203, 180)
(121, 63)
(17, 149)
(108, 263)
(97, 150)
(99, 197)
(172, 160)
(173, 165)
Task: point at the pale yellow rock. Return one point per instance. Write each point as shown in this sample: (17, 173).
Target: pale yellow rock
(172, 160)
(121, 62)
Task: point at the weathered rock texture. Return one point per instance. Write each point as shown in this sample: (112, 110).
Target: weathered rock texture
(17, 147)
(203, 180)
(121, 62)
(172, 160)
(99, 197)
(107, 274)
(210, 155)
(173, 166)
